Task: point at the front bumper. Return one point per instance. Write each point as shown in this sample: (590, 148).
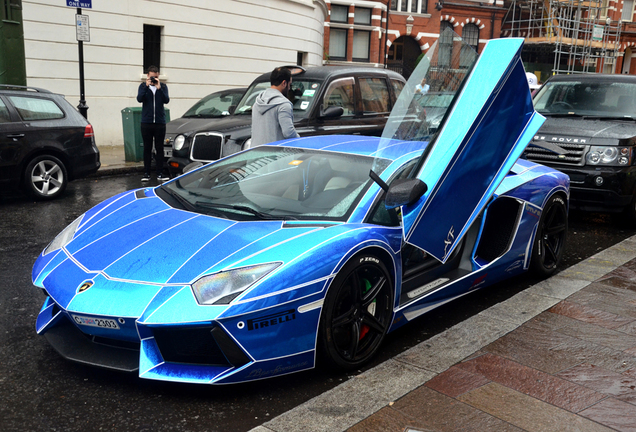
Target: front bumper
(177, 164)
(612, 195)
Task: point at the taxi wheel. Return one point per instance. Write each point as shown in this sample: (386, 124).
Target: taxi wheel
(549, 241)
(45, 177)
(356, 314)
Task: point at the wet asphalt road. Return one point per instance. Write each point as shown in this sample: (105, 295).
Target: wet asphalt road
(39, 391)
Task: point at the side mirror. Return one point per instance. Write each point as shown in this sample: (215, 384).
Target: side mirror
(404, 192)
(231, 109)
(332, 112)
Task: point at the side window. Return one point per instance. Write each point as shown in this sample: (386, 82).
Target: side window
(375, 95)
(341, 93)
(31, 108)
(4, 113)
(398, 86)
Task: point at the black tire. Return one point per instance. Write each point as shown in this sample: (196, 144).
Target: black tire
(628, 215)
(549, 242)
(356, 314)
(45, 177)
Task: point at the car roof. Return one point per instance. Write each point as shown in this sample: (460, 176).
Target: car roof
(20, 89)
(324, 72)
(594, 78)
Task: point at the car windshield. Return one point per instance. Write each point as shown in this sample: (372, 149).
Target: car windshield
(215, 105)
(583, 98)
(430, 90)
(276, 183)
(302, 95)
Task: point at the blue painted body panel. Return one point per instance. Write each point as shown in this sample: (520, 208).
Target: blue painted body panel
(141, 255)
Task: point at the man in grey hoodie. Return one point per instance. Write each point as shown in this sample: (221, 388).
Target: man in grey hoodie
(273, 113)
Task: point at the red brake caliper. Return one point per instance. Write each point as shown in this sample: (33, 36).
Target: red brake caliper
(364, 329)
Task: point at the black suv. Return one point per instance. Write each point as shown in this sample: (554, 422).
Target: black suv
(44, 142)
(327, 100)
(593, 118)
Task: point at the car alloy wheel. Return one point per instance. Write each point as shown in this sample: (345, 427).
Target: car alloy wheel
(45, 177)
(550, 238)
(357, 312)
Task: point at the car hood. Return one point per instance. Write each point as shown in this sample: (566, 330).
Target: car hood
(121, 240)
(194, 125)
(580, 127)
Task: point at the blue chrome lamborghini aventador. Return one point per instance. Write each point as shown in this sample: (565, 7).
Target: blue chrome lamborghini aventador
(252, 266)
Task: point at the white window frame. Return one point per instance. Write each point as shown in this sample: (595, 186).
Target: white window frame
(408, 3)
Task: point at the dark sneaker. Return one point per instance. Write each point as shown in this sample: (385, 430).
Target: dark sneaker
(163, 177)
(145, 178)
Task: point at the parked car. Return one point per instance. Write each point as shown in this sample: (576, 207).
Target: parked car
(202, 115)
(327, 100)
(592, 119)
(44, 142)
(252, 266)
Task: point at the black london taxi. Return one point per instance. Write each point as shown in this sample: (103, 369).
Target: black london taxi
(327, 100)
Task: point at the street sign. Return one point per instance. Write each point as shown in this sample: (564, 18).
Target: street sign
(86, 4)
(82, 28)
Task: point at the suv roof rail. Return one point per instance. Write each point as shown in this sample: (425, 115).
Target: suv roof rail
(27, 88)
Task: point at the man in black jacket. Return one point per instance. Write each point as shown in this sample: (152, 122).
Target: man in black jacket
(153, 95)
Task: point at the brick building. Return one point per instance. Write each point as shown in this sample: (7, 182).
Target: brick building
(396, 32)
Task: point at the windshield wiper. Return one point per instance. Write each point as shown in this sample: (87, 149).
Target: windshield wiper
(184, 202)
(629, 118)
(242, 208)
(562, 114)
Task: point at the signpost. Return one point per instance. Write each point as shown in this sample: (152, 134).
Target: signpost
(82, 35)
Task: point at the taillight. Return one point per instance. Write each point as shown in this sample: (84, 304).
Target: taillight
(88, 132)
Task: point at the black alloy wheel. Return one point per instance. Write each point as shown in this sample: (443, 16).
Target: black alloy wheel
(549, 241)
(357, 313)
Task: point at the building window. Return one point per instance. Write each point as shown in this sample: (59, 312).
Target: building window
(362, 16)
(361, 43)
(152, 46)
(470, 35)
(445, 49)
(9, 9)
(339, 14)
(412, 6)
(628, 10)
(337, 44)
(301, 58)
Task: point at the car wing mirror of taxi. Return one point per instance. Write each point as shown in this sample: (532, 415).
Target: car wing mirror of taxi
(332, 112)
(231, 109)
(404, 192)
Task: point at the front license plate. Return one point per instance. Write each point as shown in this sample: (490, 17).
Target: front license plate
(167, 153)
(96, 322)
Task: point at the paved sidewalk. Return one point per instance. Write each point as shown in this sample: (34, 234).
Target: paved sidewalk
(560, 355)
(113, 162)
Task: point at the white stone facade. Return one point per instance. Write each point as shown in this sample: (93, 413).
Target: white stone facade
(206, 45)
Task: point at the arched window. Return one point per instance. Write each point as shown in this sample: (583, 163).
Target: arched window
(445, 48)
(470, 35)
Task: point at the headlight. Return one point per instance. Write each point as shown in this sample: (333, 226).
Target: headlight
(178, 142)
(601, 155)
(247, 144)
(64, 237)
(223, 287)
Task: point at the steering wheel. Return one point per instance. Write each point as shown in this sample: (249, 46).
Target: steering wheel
(562, 104)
